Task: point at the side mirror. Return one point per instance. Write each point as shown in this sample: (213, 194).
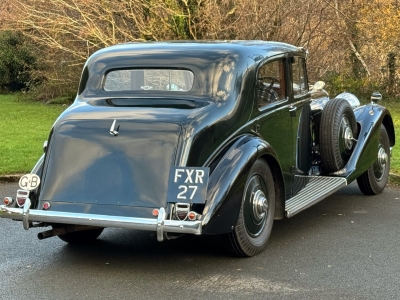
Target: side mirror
(318, 86)
(376, 97)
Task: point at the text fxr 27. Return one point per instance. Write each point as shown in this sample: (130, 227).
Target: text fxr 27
(192, 177)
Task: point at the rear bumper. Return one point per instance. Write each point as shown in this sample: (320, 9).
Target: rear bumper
(159, 225)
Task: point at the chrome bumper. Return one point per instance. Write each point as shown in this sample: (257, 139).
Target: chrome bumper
(160, 225)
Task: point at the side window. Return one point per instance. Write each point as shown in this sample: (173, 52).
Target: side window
(300, 85)
(270, 83)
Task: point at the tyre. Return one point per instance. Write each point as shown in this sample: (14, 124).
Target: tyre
(80, 237)
(256, 215)
(374, 180)
(338, 128)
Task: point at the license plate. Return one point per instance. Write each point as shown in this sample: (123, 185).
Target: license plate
(187, 185)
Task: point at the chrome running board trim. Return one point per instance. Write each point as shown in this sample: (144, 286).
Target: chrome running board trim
(159, 225)
(316, 189)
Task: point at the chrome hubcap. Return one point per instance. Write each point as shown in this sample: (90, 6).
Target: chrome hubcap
(381, 163)
(255, 206)
(382, 159)
(348, 138)
(260, 205)
(347, 133)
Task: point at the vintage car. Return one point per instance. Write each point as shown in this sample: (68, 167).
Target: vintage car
(204, 138)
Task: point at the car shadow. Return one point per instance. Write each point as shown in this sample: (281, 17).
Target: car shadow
(122, 248)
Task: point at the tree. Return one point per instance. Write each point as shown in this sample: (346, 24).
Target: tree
(17, 61)
(354, 41)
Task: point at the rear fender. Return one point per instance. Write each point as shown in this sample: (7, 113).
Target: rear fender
(37, 170)
(369, 119)
(227, 181)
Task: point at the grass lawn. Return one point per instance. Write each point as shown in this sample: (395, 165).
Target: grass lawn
(394, 108)
(24, 126)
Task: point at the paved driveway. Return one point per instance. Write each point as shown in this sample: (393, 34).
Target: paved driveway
(345, 247)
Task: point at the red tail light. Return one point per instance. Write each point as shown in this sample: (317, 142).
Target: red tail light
(46, 205)
(21, 201)
(182, 210)
(192, 216)
(8, 201)
(21, 197)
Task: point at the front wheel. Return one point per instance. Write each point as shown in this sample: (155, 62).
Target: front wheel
(374, 180)
(256, 214)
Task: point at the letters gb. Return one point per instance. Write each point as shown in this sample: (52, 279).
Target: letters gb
(29, 182)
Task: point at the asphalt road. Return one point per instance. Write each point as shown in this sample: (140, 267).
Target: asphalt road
(345, 247)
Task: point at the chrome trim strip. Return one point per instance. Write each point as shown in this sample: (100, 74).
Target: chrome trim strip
(38, 164)
(160, 225)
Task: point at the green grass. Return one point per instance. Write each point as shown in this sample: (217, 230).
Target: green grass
(24, 126)
(394, 108)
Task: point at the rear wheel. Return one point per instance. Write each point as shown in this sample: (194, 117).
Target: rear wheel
(256, 214)
(374, 180)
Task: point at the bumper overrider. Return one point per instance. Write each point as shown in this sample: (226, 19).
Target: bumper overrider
(159, 225)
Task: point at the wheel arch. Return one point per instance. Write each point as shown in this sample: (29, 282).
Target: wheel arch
(369, 119)
(374, 180)
(227, 181)
(278, 184)
(388, 123)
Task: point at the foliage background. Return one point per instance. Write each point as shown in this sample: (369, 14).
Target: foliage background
(353, 44)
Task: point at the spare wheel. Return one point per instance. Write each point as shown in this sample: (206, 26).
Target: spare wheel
(338, 130)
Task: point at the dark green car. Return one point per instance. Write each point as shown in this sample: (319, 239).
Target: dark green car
(200, 138)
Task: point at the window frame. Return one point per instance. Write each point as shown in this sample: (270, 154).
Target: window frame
(303, 90)
(282, 68)
(138, 90)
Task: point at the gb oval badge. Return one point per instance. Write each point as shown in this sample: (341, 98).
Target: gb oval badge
(29, 182)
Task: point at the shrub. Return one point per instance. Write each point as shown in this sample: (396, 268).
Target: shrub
(17, 60)
(361, 87)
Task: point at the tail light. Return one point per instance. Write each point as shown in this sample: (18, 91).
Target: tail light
(193, 216)
(8, 201)
(182, 210)
(21, 197)
(46, 205)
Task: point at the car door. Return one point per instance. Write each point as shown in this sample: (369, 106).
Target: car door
(283, 106)
(275, 114)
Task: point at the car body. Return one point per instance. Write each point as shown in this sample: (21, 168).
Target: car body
(212, 137)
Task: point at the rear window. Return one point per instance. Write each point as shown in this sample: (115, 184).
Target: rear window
(149, 79)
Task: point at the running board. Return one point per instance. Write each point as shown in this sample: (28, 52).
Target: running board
(316, 189)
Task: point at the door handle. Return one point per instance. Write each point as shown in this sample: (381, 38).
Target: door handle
(292, 110)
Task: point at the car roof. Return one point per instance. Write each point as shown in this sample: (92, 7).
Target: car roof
(210, 61)
(253, 49)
